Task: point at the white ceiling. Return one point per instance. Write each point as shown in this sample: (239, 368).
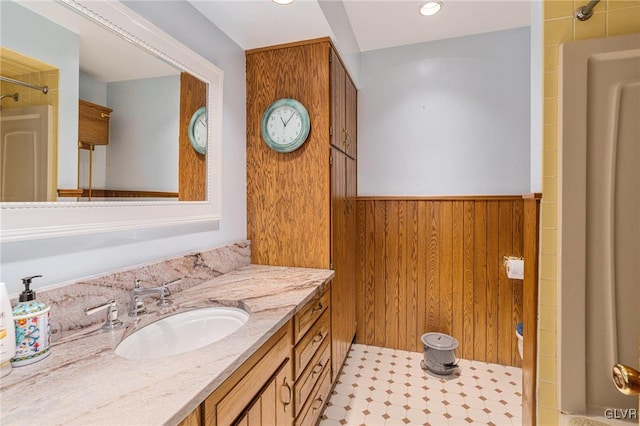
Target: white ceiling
(376, 24)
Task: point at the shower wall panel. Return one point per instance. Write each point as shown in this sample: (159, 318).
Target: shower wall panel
(600, 237)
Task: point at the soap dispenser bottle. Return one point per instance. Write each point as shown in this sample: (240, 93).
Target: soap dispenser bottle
(33, 332)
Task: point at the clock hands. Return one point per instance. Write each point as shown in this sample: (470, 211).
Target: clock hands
(289, 119)
(284, 123)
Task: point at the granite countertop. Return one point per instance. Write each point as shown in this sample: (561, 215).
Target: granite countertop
(84, 382)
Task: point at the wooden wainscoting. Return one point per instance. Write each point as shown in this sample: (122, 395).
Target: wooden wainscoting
(435, 264)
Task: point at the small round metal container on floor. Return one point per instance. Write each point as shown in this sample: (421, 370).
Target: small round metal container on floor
(439, 353)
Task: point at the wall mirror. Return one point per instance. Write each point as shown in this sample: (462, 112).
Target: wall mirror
(163, 103)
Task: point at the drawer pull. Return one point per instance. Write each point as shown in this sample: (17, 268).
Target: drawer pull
(317, 369)
(103, 115)
(314, 407)
(317, 308)
(318, 338)
(286, 401)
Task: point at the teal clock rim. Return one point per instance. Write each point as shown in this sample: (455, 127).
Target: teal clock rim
(305, 122)
(199, 149)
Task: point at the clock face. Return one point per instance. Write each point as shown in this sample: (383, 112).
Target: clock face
(285, 125)
(198, 130)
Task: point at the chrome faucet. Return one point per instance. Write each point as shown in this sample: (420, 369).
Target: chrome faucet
(138, 292)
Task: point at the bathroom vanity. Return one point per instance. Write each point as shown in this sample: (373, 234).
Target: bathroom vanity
(278, 362)
(286, 381)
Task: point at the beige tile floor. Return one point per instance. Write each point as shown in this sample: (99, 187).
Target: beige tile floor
(387, 387)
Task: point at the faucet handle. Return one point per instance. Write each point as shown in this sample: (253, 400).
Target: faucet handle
(167, 292)
(112, 323)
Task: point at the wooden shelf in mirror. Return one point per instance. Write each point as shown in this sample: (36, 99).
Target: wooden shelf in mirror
(126, 193)
(69, 192)
(114, 193)
(93, 123)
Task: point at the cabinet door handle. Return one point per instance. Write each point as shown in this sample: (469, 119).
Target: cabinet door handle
(317, 369)
(286, 401)
(347, 138)
(317, 308)
(318, 338)
(320, 400)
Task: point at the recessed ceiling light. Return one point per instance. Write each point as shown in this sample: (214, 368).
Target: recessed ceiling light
(283, 1)
(430, 8)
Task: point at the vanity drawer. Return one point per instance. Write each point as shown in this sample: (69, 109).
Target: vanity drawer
(311, 375)
(310, 343)
(305, 318)
(316, 402)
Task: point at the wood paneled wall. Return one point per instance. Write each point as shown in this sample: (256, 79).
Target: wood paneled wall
(288, 201)
(435, 264)
(192, 166)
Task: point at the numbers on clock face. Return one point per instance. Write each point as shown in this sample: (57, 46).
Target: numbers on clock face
(284, 125)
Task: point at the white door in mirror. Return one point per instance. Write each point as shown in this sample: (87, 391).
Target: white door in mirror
(198, 130)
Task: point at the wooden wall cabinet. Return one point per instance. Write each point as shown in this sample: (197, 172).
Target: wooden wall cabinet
(93, 124)
(301, 205)
(344, 225)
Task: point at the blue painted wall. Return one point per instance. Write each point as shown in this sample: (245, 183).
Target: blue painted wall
(448, 117)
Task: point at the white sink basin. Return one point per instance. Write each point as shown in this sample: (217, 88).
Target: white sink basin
(182, 332)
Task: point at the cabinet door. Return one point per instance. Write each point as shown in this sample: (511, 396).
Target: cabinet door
(338, 79)
(351, 256)
(229, 402)
(342, 301)
(351, 118)
(274, 404)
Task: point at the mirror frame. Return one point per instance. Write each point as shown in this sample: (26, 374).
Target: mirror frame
(40, 220)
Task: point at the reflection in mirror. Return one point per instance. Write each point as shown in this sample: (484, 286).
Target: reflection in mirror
(29, 89)
(117, 116)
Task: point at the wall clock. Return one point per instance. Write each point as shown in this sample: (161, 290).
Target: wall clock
(285, 125)
(198, 130)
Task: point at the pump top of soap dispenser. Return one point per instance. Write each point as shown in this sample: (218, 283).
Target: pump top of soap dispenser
(28, 295)
(27, 304)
